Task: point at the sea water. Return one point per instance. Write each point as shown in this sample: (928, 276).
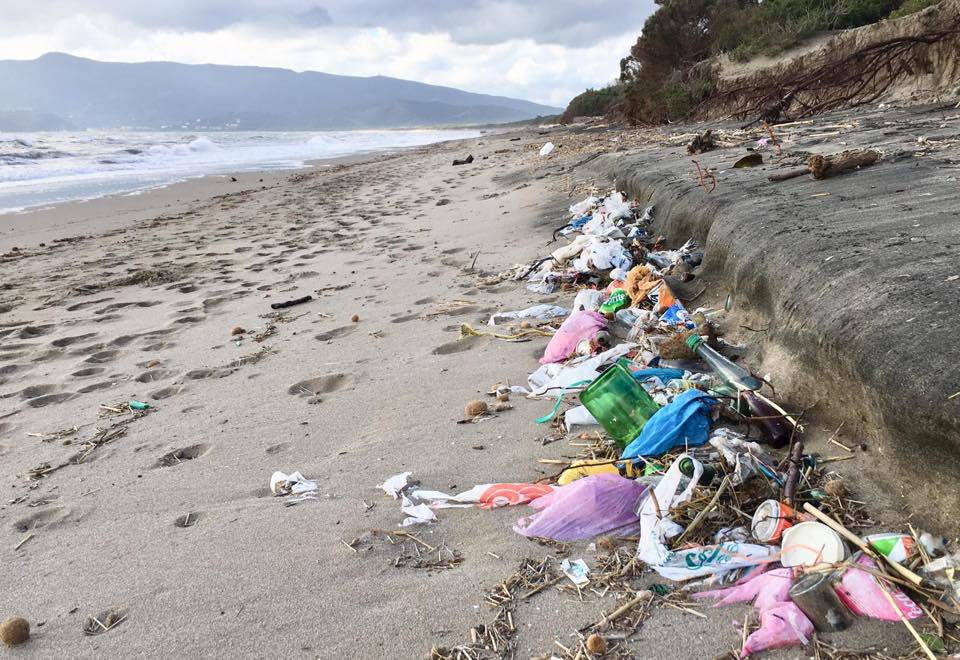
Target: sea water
(41, 169)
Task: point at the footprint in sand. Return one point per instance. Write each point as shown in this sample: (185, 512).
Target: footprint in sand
(67, 341)
(89, 371)
(405, 319)
(49, 518)
(102, 357)
(34, 391)
(312, 388)
(50, 399)
(89, 303)
(96, 387)
(204, 374)
(336, 332)
(459, 346)
(178, 456)
(188, 519)
(153, 375)
(158, 346)
(32, 331)
(277, 448)
(167, 392)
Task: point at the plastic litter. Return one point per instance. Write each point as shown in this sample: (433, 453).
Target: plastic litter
(540, 313)
(685, 422)
(765, 591)
(577, 570)
(579, 325)
(862, 594)
(295, 487)
(781, 626)
(595, 505)
(811, 543)
(657, 526)
(547, 149)
(485, 496)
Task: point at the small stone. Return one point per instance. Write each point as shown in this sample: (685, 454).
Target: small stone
(596, 644)
(526, 324)
(237, 330)
(502, 407)
(355, 318)
(475, 408)
(14, 630)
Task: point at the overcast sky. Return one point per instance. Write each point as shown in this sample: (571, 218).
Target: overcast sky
(542, 50)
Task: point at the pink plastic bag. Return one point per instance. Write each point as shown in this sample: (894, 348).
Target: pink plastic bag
(765, 591)
(863, 595)
(594, 505)
(581, 324)
(780, 626)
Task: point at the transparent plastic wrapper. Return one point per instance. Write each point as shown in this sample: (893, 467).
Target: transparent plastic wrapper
(583, 206)
(616, 207)
(555, 376)
(780, 626)
(602, 254)
(581, 324)
(595, 505)
(862, 594)
(541, 313)
(746, 458)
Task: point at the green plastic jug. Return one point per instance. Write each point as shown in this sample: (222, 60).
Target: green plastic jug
(619, 403)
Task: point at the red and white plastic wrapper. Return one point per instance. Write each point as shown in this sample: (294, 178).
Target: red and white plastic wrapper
(485, 496)
(862, 594)
(657, 526)
(781, 626)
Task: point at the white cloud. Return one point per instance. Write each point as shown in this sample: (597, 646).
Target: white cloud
(520, 66)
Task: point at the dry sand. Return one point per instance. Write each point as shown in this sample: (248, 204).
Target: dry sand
(348, 404)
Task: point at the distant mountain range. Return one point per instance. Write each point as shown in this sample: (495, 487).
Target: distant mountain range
(58, 91)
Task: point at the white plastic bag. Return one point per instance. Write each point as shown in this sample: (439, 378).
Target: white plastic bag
(578, 416)
(582, 207)
(656, 526)
(589, 299)
(542, 313)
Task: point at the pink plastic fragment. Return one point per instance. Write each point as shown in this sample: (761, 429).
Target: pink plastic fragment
(780, 626)
(581, 324)
(765, 591)
(863, 595)
(586, 508)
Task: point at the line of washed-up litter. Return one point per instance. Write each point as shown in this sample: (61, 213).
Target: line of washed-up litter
(683, 467)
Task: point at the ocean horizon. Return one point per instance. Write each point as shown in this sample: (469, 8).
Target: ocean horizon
(47, 168)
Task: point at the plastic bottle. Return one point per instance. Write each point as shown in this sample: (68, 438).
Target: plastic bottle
(734, 374)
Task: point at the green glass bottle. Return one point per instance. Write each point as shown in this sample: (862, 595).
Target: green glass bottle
(619, 403)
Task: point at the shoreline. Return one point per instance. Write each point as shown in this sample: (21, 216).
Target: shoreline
(82, 217)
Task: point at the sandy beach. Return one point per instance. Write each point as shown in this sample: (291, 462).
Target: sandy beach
(170, 522)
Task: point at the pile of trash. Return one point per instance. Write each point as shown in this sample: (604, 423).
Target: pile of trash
(696, 459)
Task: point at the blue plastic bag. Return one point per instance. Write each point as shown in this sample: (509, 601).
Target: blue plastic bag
(684, 421)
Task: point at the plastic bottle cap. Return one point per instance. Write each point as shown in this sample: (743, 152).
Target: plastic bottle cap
(693, 341)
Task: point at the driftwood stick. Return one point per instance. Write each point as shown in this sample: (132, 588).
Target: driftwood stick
(823, 167)
(790, 174)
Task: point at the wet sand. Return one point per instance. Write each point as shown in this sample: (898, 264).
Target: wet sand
(171, 520)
